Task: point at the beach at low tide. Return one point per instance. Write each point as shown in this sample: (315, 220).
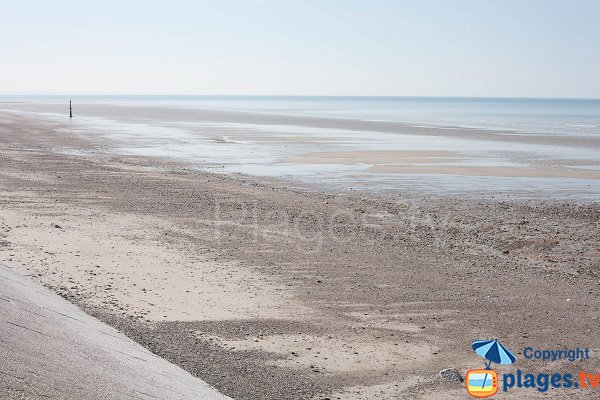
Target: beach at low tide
(524, 148)
(180, 227)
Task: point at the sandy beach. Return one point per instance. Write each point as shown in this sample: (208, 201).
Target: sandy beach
(268, 290)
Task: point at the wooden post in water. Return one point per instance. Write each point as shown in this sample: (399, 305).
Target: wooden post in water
(70, 109)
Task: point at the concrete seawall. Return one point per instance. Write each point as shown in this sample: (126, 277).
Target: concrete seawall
(50, 349)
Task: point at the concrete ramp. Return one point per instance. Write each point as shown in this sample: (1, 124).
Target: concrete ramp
(50, 349)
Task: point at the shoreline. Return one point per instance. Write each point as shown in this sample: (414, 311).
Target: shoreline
(373, 284)
(299, 156)
(343, 152)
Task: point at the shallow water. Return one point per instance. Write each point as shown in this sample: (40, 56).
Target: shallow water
(531, 148)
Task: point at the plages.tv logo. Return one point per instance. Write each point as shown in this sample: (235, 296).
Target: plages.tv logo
(483, 383)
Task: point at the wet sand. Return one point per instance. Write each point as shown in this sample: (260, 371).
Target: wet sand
(419, 162)
(270, 292)
(182, 115)
(344, 152)
(489, 171)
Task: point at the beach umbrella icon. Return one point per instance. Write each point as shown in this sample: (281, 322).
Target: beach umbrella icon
(493, 351)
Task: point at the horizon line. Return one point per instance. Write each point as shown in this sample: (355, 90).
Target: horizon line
(107, 94)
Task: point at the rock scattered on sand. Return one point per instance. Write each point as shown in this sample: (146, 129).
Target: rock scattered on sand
(451, 375)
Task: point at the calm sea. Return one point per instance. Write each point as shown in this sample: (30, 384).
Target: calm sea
(531, 148)
(561, 116)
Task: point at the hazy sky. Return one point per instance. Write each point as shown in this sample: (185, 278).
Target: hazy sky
(529, 48)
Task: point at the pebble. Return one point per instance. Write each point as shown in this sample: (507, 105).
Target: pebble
(451, 375)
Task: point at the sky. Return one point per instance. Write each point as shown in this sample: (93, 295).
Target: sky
(496, 48)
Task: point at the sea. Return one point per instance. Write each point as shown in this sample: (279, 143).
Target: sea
(483, 147)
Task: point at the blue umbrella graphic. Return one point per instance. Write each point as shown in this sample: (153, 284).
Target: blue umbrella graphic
(492, 351)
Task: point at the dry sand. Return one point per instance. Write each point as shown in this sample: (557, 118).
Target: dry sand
(268, 292)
